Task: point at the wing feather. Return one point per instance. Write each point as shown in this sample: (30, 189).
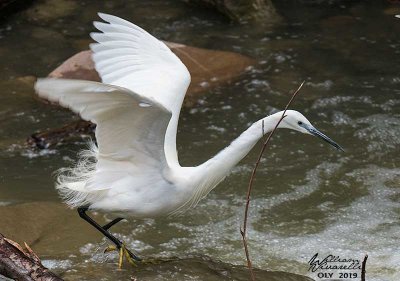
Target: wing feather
(125, 55)
(130, 127)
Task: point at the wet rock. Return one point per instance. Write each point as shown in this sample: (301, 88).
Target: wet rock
(79, 66)
(208, 68)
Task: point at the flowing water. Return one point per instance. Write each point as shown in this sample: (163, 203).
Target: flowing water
(308, 198)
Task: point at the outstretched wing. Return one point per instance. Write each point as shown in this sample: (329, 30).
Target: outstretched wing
(130, 128)
(129, 57)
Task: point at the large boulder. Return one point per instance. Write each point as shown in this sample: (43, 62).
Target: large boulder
(208, 68)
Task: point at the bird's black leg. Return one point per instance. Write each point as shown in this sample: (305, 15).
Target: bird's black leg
(104, 230)
(111, 223)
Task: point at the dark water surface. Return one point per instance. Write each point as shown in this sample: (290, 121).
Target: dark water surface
(308, 198)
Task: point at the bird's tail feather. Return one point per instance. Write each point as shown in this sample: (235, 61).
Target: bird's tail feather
(71, 181)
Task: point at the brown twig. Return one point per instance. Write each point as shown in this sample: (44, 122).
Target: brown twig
(243, 230)
(364, 264)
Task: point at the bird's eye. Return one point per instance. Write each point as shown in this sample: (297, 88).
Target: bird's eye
(300, 123)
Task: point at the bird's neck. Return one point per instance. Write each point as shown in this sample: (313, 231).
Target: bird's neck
(230, 156)
(217, 168)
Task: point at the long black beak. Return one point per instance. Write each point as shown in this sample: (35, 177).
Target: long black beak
(322, 136)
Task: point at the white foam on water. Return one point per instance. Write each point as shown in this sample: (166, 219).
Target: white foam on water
(370, 225)
(325, 85)
(335, 101)
(57, 264)
(367, 225)
(220, 235)
(216, 129)
(381, 131)
(29, 153)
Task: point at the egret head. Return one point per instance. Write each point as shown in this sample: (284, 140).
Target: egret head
(296, 121)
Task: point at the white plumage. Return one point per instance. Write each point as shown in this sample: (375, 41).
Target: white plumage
(134, 168)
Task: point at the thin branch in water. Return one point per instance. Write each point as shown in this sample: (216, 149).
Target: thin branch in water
(243, 230)
(363, 271)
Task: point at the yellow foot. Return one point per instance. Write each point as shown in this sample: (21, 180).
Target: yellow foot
(122, 252)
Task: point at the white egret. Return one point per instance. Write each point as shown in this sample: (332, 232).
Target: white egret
(133, 170)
